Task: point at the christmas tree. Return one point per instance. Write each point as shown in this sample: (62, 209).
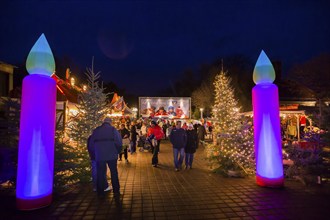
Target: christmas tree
(9, 122)
(91, 110)
(9, 129)
(66, 167)
(225, 109)
(233, 143)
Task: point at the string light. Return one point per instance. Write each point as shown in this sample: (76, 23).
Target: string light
(235, 140)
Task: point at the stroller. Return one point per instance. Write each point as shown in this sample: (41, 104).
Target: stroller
(144, 143)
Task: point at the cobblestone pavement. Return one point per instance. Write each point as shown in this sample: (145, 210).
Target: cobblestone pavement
(162, 193)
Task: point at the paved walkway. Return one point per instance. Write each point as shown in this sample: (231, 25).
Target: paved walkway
(162, 193)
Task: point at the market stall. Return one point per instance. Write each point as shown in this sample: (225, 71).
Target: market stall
(293, 123)
(119, 108)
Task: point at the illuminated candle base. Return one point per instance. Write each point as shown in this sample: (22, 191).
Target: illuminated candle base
(267, 136)
(36, 143)
(31, 204)
(267, 182)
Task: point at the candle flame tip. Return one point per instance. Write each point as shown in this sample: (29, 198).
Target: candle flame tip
(40, 59)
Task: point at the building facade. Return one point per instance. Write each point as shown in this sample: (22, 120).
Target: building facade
(6, 78)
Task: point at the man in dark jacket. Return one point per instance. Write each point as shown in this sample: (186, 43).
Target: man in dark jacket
(178, 139)
(133, 135)
(201, 132)
(107, 143)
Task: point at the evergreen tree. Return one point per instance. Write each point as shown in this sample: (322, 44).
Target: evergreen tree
(225, 109)
(91, 110)
(65, 164)
(9, 122)
(233, 142)
(10, 110)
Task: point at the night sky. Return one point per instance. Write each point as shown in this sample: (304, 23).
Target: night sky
(143, 46)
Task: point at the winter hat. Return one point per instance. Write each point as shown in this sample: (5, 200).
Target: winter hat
(153, 122)
(107, 120)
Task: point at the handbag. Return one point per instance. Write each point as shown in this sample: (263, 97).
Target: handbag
(126, 142)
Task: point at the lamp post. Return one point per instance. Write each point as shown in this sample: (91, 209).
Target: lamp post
(72, 81)
(135, 111)
(201, 109)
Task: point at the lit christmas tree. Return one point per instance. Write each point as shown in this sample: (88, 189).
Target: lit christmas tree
(233, 143)
(225, 108)
(91, 110)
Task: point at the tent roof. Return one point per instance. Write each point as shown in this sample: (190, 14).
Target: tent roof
(115, 98)
(65, 90)
(119, 105)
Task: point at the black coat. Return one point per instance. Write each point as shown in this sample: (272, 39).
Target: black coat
(201, 132)
(178, 138)
(124, 132)
(191, 145)
(133, 133)
(106, 141)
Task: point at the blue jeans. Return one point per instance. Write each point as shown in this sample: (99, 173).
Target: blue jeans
(189, 158)
(178, 161)
(133, 146)
(101, 172)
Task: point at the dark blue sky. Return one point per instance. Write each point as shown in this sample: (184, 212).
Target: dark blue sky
(144, 45)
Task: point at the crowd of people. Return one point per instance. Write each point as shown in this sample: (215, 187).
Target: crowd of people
(115, 138)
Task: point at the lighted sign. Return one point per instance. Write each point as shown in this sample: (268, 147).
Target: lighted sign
(165, 107)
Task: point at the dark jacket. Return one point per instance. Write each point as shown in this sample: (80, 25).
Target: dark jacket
(133, 133)
(191, 145)
(124, 132)
(201, 132)
(107, 142)
(178, 138)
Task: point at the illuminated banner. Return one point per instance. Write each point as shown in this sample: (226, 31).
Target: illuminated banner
(165, 107)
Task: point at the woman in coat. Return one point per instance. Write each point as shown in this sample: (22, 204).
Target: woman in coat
(191, 146)
(125, 137)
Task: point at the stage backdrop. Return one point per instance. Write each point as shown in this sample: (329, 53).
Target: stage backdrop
(165, 107)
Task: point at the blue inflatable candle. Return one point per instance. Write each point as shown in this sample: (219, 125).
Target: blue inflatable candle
(266, 119)
(37, 130)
